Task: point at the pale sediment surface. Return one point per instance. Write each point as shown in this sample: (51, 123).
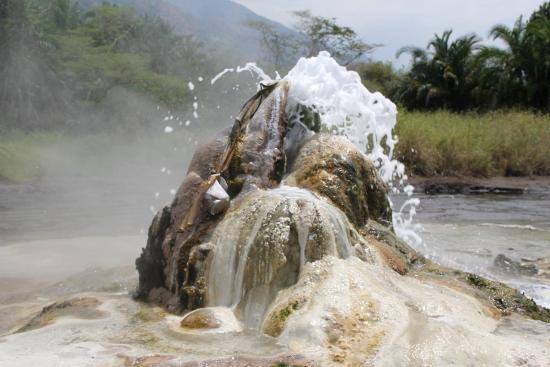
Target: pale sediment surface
(360, 313)
(36, 274)
(126, 329)
(373, 316)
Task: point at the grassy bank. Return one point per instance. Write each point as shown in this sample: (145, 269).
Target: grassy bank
(493, 144)
(21, 154)
(28, 156)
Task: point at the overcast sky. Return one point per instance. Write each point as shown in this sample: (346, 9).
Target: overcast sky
(397, 23)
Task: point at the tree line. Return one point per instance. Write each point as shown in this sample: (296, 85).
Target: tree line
(463, 74)
(457, 74)
(59, 58)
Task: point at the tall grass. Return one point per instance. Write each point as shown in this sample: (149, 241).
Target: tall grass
(493, 144)
(430, 144)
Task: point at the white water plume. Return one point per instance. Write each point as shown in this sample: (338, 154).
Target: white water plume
(346, 107)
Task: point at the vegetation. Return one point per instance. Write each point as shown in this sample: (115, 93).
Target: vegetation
(377, 76)
(500, 143)
(311, 34)
(462, 74)
(62, 58)
(441, 77)
(488, 106)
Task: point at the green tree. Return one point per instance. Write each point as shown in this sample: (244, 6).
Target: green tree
(538, 30)
(517, 75)
(441, 75)
(114, 26)
(281, 48)
(378, 76)
(168, 51)
(64, 13)
(311, 34)
(507, 66)
(325, 34)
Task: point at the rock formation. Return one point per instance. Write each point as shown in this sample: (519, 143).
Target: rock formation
(249, 155)
(231, 176)
(290, 227)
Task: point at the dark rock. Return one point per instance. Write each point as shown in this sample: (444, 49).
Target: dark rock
(506, 265)
(207, 156)
(448, 188)
(469, 186)
(295, 138)
(250, 154)
(258, 158)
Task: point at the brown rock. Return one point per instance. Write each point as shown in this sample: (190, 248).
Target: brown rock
(250, 153)
(200, 319)
(333, 167)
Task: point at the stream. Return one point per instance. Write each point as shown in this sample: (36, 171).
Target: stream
(468, 232)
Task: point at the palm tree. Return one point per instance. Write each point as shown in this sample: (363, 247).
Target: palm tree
(521, 71)
(538, 34)
(510, 62)
(441, 75)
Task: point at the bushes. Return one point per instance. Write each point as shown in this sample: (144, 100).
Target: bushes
(493, 144)
(61, 61)
(97, 70)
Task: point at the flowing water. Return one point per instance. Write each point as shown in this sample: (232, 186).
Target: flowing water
(243, 277)
(468, 232)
